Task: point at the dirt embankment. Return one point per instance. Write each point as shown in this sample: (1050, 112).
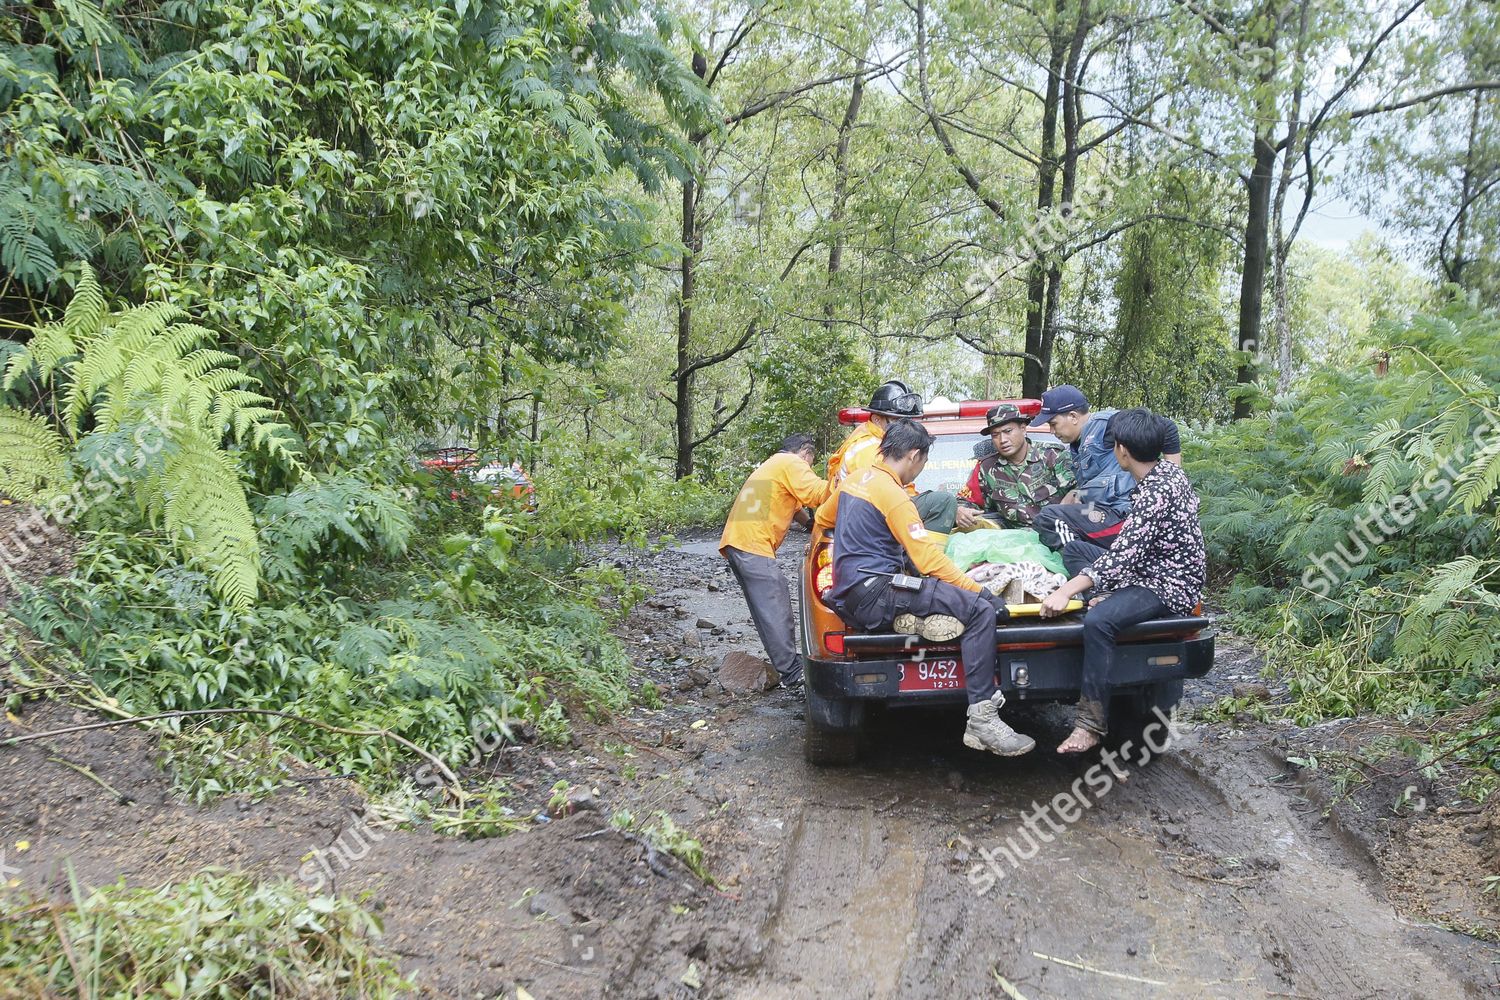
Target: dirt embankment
(1206, 874)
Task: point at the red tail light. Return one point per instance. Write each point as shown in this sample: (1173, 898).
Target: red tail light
(824, 583)
(834, 642)
(823, 570)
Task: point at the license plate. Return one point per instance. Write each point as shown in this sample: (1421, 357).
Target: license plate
(931, 675)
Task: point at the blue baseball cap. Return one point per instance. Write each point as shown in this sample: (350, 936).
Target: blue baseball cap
(1060, 399)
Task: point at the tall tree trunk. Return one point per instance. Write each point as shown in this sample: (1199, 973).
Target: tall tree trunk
(1034, 368)
(1279, 299)
(841, 188)
(1253, 279)
(692, 241)
(1258, 209)
(837, 238)
(692, 245)
(1454, 270)
(1072, 108)
(1281, 240)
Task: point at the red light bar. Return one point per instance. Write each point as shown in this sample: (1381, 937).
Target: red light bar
(945, 408)
(981, 407)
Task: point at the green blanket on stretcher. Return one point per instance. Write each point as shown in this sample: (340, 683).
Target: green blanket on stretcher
(1012, 545)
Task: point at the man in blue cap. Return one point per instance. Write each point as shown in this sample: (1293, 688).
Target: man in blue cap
(1096, 509)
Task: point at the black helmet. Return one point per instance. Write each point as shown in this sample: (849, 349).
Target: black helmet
(895, 399)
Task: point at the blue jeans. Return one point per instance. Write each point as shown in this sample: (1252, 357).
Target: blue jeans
(1101, 626)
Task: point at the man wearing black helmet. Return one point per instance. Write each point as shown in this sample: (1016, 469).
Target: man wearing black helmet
(861, 449)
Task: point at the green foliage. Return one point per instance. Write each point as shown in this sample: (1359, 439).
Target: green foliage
(486, 644)
(661, 834)
(1360, 516)
(325, 523)
(373, 197)
(206, 763)
(809, 376)
(144, 381)
(1170, 349)
(215, 935)
(608, 489)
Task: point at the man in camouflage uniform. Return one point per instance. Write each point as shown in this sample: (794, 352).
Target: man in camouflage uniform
(1019, 478)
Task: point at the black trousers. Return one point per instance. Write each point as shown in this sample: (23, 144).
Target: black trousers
(1078, 554)
(1061, 523)
(936, 597)
(1101, 626)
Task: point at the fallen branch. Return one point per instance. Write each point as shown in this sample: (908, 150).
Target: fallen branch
(120, 797)
(1006, 986)
(201, 712)
(1098, 972)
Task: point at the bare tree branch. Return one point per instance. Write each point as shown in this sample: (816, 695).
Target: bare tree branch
(1432, 95)
(723, 425)
(996, 209)
(710, 360)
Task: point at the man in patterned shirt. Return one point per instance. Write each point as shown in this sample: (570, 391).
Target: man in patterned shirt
(1019, 478)
(1155, 567)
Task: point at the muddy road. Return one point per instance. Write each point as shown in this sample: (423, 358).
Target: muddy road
(1207, 873)
(1201, 875)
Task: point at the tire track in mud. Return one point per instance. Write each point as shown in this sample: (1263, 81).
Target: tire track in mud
(1193, 884)
(849, 891)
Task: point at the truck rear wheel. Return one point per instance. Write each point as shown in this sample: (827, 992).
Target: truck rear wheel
(1135, 718)
(834, 730)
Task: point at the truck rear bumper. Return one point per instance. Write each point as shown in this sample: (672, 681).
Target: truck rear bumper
(1054, 674)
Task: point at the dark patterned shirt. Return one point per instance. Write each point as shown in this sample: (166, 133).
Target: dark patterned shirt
(1161, 545)
(1017, 492)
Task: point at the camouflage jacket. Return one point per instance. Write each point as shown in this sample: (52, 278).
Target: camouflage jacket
(1017, 492)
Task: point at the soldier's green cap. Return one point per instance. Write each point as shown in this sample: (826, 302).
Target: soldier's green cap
(1003, 413)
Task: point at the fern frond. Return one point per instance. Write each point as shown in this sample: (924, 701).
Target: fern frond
(198, 363)
(205, 507)
(84, 316)
(33, 457)
(50, 347)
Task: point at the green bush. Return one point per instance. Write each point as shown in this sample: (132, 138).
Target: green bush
(1360, 519)
(610, 490)
(437, 646)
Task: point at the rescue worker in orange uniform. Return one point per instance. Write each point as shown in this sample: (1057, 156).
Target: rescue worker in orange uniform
(774, 494)
(861, 449)
(881, 543)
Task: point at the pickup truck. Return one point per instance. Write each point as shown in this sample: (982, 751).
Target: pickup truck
(1037, 660)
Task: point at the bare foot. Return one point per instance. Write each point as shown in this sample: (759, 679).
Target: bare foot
(1078, 741)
